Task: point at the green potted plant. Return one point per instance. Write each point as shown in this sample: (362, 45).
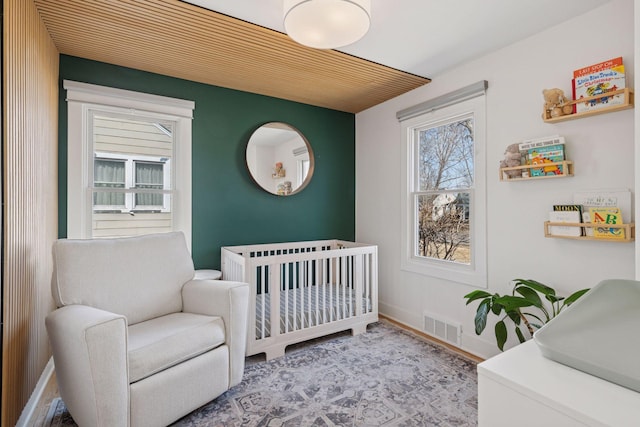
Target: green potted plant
(526, 294)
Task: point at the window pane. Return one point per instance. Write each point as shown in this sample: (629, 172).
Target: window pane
(149, 175)
(130, 222)
(445, 156)
(443, 227)
(108, 174)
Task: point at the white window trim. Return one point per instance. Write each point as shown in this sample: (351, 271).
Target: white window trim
(82, 100)
(475, 273)
(300, 171)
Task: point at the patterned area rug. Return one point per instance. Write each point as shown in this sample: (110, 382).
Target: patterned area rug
(385, 377)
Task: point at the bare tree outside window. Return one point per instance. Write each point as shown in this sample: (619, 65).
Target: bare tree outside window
(445, 171)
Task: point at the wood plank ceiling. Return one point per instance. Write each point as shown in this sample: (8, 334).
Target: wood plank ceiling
(181, 40)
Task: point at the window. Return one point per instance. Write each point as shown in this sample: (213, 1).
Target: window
(303, 171)
(444, 212)
(149, 175)
(108, 173)
(443, 182)
(129, 165)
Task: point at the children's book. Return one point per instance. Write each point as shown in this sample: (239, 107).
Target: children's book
(604, 198)
(540, 142)
(599, 79)
(565, 216)
(573, 218)
(544, 156)
(568, 208)
(604, 216)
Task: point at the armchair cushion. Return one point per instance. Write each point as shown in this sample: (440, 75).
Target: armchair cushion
(163, 342)
(138, 277)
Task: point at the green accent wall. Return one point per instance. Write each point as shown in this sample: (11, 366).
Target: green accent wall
(228, 207)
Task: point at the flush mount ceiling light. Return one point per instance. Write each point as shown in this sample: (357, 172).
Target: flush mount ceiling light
(326, 24)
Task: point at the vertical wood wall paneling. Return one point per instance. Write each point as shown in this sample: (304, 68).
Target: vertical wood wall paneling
(30, 117)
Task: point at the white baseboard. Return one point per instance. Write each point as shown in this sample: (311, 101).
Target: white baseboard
(36, 397)
(480, 347)
(470, 344)
(400, 315)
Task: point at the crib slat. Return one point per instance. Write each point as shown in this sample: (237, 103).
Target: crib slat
(340, 287)
(295, 298)
(307, 284)
(352, 261)
(332, 281)
(317, 289)
(285, 287)
(325, 265)
(261, 297)
(366, 284)
(274, 297)
(358, 279)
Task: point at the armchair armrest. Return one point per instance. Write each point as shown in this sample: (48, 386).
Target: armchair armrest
(90, 357)
(229, 300)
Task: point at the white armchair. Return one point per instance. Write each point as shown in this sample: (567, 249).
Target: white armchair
(136, 341)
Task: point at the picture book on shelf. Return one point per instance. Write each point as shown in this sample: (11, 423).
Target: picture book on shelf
(604, 198)
(565, 215)
(599, 79)
(540, 142)
(577, 208)
(572, 208)
(607, 215)
(545, 157)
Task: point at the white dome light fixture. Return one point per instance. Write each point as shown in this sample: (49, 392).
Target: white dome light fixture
(327, 24)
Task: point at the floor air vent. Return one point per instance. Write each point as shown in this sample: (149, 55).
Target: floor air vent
(442, 329)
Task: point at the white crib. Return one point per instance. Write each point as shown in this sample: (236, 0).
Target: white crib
(304, 290)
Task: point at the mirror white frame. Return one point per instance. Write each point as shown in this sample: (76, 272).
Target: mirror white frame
(279, 159)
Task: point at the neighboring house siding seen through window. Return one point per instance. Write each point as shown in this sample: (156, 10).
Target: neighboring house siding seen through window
(129, 163)
(444, 211)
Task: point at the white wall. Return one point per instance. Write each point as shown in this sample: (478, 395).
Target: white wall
(600, 146)
(284, 154)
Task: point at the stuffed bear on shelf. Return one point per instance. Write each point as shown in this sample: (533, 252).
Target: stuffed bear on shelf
(555, 103)
(512, 157)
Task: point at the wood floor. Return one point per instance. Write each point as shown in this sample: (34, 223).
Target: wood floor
(50, 393)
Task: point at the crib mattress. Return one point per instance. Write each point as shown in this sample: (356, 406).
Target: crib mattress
(307, 307)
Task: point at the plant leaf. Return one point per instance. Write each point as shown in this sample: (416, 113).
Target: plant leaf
(496, 308)
(510, 303)
(535, 317)
(530, 295)
(536, 286)
(477, 294)
(501, 334)
(481, 316)
(553, 298)
(520, 336)
(574, 296)
(514, 316)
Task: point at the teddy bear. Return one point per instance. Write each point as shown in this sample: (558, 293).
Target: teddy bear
(554, 103)
(512, 157)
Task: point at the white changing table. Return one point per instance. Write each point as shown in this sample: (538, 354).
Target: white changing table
(521, 387)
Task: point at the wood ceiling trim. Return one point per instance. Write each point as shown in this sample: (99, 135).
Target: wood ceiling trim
(181, 40)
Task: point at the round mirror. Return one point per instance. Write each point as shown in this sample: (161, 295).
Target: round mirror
(279, 159)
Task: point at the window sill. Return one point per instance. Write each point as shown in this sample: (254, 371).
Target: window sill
(446, 270)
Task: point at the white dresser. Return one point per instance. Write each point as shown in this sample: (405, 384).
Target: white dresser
(520, 387)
